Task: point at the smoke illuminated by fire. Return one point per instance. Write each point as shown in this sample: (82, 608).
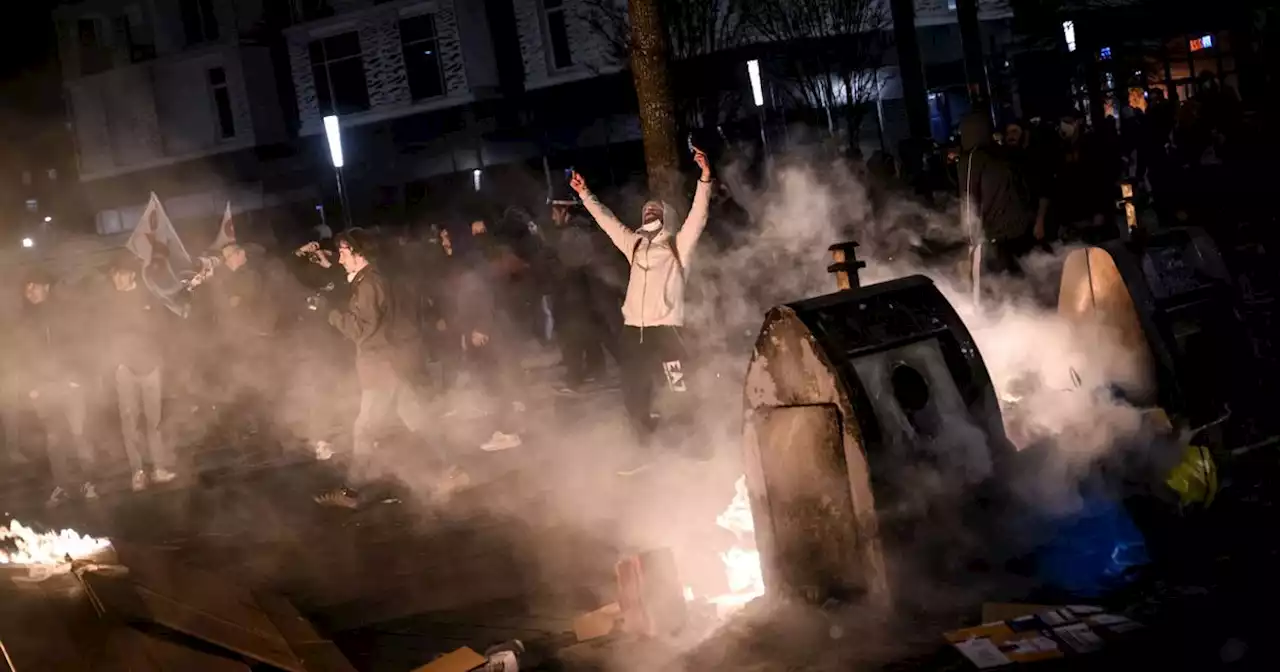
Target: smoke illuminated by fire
(29, 547)
(742, 560)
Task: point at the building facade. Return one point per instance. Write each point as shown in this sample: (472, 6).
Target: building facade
(205, 101)
(173, 96)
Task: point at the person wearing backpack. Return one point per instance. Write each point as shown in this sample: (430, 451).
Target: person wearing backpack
(653, 311)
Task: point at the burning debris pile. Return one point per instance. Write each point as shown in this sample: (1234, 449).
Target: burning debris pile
(22, 545)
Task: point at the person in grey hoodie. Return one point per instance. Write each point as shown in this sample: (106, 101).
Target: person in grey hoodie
(654, 309)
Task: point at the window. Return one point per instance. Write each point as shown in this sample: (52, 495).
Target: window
(198, 21)
(557, 22)
(222, 103)
(94, 57)
(33, 205)
(422, 56)
(339, 73)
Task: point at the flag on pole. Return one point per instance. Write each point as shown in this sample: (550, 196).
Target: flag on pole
(165, 262)
(226, 231)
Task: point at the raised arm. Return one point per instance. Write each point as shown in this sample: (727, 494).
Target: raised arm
(696, 222)
(623, 238)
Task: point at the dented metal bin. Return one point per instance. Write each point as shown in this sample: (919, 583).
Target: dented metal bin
(1169, 297)
(854, 399)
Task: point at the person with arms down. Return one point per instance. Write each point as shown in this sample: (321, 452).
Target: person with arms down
(654, 308)
(53, 374)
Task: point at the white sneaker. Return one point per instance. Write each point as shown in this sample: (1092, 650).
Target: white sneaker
(324, 450)
(139, 480)
(57, 497)
(500, 441)
(88, 491)
(159, 475)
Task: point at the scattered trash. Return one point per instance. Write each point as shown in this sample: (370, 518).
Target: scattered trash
(598, 623)
(1032, 633)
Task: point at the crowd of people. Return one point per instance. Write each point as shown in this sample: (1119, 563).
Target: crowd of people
(269, 340)
(1030, 184)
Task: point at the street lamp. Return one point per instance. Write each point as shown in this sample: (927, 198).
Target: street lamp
(753, 71)
(757, 94)
(47, 219)
(475, 179)
(333, 133)
(28, 243)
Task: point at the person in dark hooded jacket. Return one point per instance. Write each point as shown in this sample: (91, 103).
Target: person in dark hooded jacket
(54, 373)
(994, 192)
(654, 309)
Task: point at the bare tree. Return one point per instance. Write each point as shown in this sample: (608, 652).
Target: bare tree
(832, 52)
(695, 29)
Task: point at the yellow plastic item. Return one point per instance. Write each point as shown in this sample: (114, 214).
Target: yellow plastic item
(1195, 479)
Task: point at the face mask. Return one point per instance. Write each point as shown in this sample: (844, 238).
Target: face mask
(652, 226)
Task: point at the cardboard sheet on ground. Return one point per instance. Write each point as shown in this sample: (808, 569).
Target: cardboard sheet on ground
(461, 660)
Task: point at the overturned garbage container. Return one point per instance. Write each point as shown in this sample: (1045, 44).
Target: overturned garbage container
(1168, 299)
(870, 417)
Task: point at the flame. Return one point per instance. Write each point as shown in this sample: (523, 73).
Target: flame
(742, 560)
(29, 547)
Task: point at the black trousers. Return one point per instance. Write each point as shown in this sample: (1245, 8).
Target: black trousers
(655, 366)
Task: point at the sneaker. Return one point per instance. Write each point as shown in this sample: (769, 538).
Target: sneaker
(324, 450)
(343, 498)
(159, 475)
(500, 441)
(139, 481)
(88, 491)
(57, 497)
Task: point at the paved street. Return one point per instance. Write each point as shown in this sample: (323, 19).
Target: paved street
(531, 544)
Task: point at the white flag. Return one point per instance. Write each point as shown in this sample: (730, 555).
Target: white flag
(165, 261)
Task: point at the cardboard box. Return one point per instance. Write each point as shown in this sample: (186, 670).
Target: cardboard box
(598, 623)
(460, 660)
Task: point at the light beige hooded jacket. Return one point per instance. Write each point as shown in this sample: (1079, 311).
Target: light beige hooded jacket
(655, 290)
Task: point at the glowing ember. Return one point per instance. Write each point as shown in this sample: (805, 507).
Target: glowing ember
(742, 561)
(21, 545)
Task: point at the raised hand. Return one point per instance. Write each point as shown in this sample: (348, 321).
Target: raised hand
(578, 184)
(700, 158)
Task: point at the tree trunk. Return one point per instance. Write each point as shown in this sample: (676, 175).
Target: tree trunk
(653, 90)
(975, 67)
(910, 67)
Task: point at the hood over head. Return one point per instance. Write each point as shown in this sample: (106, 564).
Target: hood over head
(657, 216)
(975, 131)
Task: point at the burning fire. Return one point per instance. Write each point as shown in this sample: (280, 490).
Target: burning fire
(742, 560)
(21, 545)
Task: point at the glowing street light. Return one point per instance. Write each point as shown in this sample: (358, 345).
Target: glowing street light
(1069, 32)
(28, 243)
(753, 71)
(47, 219)
(333, 131)
(475, 179)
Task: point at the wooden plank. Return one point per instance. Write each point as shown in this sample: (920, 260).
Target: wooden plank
(134, 651)
(136, 604)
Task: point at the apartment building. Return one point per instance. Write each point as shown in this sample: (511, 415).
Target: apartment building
(175, 96)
